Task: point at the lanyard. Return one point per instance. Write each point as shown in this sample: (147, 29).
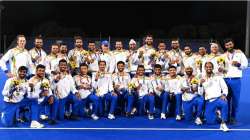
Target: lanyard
(228, 56)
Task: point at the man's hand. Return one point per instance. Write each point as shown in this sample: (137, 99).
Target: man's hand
(159, 88)
(51, 100)
(151, 94)
(117, 87)
(9, 75)
(220, 69)
(141, 54)
(236, 63)
(78, 95)
(223, 97)
(202, 81)
(114, 94)
(97, 76)
(45, 93)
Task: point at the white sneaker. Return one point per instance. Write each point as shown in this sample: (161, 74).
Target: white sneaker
(133, 111)
(94, 117)
(198, 121)
(36, 124)
(150, 117)
(163, 116)
(224, 127)
(111, 116)
(178, 118)
(44, 117)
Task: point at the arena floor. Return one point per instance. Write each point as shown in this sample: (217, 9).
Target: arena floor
(136, 128)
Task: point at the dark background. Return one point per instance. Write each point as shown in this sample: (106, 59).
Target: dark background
(188, 20)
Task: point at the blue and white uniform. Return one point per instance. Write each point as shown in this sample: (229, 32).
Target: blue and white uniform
(233, 78)
(103, 87)
(84, 86)
(144, 94)
(214, 88)
(124, 94)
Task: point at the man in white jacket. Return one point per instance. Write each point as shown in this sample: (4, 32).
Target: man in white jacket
(84, 85)
(158, 83)
(17, 57)
(215, 92)
(37, 53)
(191, 96)
(144, 92)
(174, 84)
(40, 96)
(15, 90)
(103, 86)
(121, 80)
(146, 55)
(237, 62)
(65, 91)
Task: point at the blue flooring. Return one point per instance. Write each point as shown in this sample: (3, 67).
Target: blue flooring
(137, 122)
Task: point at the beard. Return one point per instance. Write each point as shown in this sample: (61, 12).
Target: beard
(230, 49)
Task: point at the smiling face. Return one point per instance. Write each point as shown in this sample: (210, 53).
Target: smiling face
(132, 46)
(22, 74)
(140, 71)
(84, 70)
(189, 71)
(120, 67)
(64, 49)
(157, 71)
(175, 44)
(209, 67)
(38, 43)
(202, 51)
(63, 66)
(214, 48)
(172, 72)
(229, 45)
(21, 42)
(118, 45)
(54, 49)
(78, 43)
(162, 46)
(149, 40)
(187, 50)
(92, 46)
(40, 72)
(102, 66)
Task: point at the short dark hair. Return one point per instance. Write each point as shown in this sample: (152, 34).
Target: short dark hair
(157, 66)
(140, 66)
(120, 62)
(148, 35)
(91, 41)
(101, 61)
(172, 66)
(55, 45)
(83, 65)
(118, 41)
(77, 37)
(64, 44)
(187, 45)
(175, 39)
(38, 37)
(228, 40)
(40, 66)
(161, 41)
(62, 61)
(23, 68)
(18, 36)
